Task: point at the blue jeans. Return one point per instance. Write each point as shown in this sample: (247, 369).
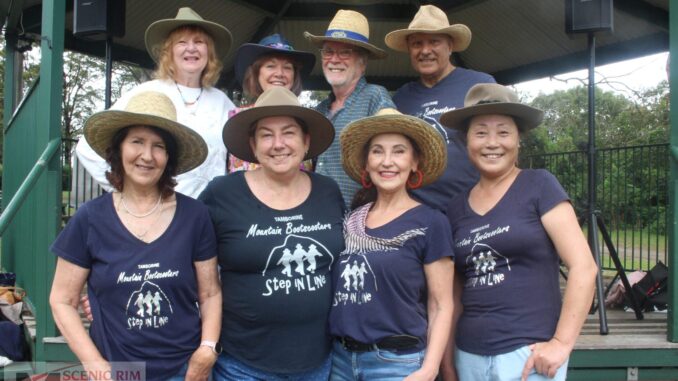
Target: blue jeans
(227, 368)
(504, 367)
(377, 365)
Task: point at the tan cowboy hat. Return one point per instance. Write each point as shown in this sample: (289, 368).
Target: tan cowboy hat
(276, 101)
(149, 108)
(157, 32)
(492, 98)
(356, 135)
(349, 27)
(432, 20)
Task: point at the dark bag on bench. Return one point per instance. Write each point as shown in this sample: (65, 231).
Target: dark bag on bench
(652, 291)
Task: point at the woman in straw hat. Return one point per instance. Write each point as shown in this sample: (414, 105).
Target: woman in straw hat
(188, 51)
(511, 231)
(258, 67)
(279, 232)
(392, 307)
(147, 253)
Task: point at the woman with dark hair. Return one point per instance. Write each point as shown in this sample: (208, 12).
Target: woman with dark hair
(392, 304)
(279, 234)
(258, 67)
(188, 51)
(511, 232)
(146, 252)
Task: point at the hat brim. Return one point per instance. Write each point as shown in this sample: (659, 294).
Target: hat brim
(460, 33)
(526, 117)
(236, 133)
(157, 32)
(248, 53)
(373, 51)
(101, 127)
(433, 155)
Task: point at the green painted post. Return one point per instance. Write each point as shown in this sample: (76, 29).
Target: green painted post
(672, 323)
(48, 189)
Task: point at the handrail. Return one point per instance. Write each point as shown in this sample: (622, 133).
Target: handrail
(24, 190)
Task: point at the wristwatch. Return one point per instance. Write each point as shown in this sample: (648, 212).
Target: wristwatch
(214, 345)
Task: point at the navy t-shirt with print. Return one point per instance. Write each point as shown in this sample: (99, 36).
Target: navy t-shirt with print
(429, 104)
(144, 296)
(275, 272)
(511, 294)
(380, 287)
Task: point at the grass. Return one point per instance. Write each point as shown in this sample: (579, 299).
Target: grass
(637, 249)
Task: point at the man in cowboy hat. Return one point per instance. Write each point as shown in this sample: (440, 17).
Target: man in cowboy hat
(430, 40)
(345, 49)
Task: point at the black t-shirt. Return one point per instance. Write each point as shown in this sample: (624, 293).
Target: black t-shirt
(275, 268)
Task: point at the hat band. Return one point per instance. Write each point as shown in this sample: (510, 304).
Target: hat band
(483, 102)
(279, 45)
(341, 33)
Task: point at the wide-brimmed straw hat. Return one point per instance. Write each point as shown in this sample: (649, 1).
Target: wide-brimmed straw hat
(157, 32)
(492, 98)
(273, 44)
(349, 27)
(276, 101)
(149, 108)
(433, 152)
(432, 20)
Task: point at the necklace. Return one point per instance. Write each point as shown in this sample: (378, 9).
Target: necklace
(187, 103)
(124, 205)
(143, 234)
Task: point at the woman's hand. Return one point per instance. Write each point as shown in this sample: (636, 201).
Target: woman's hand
(84, 303)
(200, 364)
(546, 358)
(421, 375)
(98, 370)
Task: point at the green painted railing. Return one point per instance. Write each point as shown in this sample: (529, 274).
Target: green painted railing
(24, 190)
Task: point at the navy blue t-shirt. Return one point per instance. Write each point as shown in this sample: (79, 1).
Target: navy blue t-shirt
(275, 268)
(379, 283)
(509, 266)
(144, 296)
(428, 104)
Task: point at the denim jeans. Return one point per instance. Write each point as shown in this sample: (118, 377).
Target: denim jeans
(227, 368)
(377, 365)
(504, 367)
(181, 375)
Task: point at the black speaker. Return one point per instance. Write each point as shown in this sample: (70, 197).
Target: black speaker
(95, 19)
(583, 16)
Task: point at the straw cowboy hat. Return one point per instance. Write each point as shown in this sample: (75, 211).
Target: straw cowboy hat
(276, 101)
(274, 44)
(349, 27)
(491, 98)
(157, 32)
(430, 19)
(433, 153)
(149, 108)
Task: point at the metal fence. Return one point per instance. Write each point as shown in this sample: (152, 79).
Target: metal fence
(632, 197)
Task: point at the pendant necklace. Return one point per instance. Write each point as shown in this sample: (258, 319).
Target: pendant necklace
(187, 103)
(124, 205)
(141, 235)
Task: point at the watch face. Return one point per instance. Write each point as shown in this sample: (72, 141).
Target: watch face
(217, 348)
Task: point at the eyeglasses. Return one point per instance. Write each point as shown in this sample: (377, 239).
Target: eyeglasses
(343, 54)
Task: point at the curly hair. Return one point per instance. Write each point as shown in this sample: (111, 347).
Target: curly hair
(250, 83)
(166, 68)
(116, 176)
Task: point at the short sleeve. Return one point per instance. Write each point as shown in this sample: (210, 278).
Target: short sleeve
(206, 242)
(551, 193)
(71, 243)
(383, 100)
(438, 237)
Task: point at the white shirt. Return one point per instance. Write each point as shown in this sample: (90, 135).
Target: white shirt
(207, 117)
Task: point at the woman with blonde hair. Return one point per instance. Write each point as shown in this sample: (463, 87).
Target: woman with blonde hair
(188, 51)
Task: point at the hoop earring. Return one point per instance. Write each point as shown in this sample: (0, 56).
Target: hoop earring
(365, 180)
(420, 179)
